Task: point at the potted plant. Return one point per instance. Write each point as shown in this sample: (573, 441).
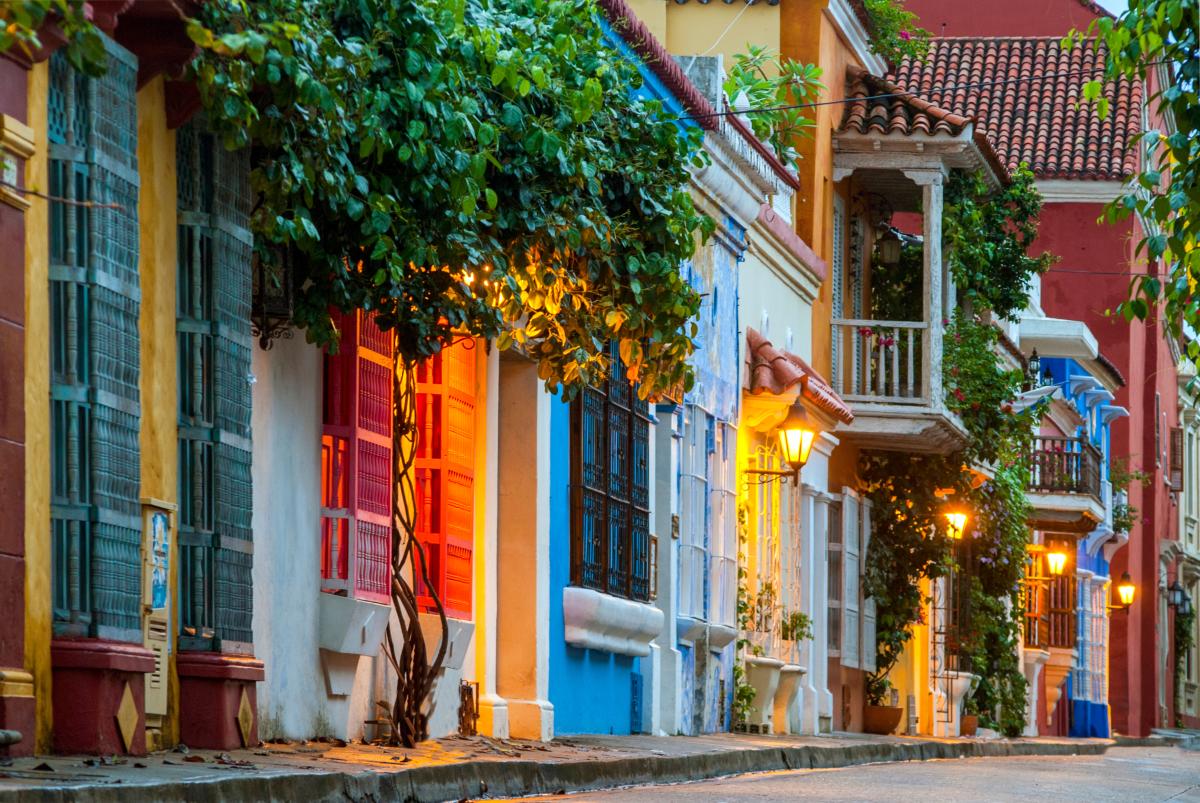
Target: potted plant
(878, 716)
(970, 717)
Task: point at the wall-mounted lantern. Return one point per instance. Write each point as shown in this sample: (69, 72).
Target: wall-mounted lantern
(1056, 561)
(956, 522)
(1033, 371)
(796, 437)
(1179, 599)
(1125, 593)
(271, 299)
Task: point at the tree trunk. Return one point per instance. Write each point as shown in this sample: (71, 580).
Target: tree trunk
(416, 674)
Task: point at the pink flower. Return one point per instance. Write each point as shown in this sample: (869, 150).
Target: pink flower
(905, 35)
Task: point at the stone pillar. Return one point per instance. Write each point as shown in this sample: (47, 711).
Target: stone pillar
(666, 661)
(818, 700)
(523, 550)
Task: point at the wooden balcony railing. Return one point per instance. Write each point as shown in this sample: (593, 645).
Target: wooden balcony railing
(1065, 465)
(880, 361)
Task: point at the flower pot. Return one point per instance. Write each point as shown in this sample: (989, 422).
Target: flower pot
(881, 719)
(969, 724)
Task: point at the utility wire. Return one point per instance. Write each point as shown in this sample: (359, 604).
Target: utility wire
(910, 93)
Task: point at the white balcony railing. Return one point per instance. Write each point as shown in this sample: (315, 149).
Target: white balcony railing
(881, 361)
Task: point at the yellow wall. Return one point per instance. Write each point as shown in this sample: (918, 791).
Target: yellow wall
(715, 28)
(38, 613)
(156, 327)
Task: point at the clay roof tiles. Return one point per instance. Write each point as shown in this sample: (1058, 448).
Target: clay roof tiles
(777, 371)
(1041, 122)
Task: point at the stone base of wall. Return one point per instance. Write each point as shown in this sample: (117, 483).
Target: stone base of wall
(218, 702)
(17, 711)
(99, 696)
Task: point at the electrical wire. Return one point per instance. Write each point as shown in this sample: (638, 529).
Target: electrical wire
(911, 93)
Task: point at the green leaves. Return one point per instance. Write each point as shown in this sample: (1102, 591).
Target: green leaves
(767, 84)
(477, 166)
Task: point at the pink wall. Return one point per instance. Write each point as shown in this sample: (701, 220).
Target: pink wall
(1008, 18)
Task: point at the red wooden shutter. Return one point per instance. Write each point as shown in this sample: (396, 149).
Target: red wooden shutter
(1176, 476)
(356, 454)
(446, 475)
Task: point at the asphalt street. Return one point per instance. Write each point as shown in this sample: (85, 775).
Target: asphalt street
(1122, 774)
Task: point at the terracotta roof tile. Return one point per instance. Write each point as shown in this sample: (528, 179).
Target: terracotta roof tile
(1038, 122)
(775, 371)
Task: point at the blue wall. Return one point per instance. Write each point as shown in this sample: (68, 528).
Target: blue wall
(591, 690)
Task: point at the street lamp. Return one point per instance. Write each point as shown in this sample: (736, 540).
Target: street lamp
(796, 437)
(956, 522)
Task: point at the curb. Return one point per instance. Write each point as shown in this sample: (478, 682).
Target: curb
(488, 779)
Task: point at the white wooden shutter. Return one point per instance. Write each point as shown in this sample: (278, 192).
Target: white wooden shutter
(850, 579)
(867, 652)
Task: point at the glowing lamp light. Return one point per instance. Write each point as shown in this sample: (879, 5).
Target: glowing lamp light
(956, 521)
(1126, 590)
(1056, 561)
(796, 436)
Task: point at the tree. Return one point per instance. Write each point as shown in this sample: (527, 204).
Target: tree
(1160, 36)
(485, 168)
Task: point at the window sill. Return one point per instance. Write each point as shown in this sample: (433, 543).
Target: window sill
(596, 621)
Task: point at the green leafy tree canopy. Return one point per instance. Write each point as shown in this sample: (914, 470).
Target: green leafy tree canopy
(478, 166)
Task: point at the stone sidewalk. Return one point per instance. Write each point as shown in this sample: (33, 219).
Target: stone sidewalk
(475, 767)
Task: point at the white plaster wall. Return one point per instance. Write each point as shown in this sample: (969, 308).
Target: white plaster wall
(762, 290)
(286, 420)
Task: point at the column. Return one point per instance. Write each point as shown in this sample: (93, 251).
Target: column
(493, 710)
(930, 181)
(666, 662)
(523, 550)
(818, 701)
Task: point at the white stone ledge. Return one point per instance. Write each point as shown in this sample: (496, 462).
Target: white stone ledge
(596, 621)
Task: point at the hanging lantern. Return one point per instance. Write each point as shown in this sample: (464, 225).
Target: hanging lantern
(889, 247)
(796, 436)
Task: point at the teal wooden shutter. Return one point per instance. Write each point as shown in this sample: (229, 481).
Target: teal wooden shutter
(94, 349)
(213, 331)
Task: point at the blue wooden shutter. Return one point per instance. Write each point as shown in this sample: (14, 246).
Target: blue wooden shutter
(94, 349)
(213, 290)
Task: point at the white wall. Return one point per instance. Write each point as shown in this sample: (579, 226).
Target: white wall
(286, 420)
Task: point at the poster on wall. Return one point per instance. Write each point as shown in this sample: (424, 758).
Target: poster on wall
(159, 522)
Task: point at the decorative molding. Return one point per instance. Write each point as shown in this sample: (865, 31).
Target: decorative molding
(855, 33)
(16, 145)
(1065, 191)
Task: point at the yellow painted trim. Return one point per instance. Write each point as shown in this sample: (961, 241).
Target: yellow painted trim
(15, 683)
(16, 140)
(38, 611)
(159, 435)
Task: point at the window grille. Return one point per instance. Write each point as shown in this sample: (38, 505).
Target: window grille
(96, 529)
(834, 584)
(723, 514)
(214, 343)
(610, 529)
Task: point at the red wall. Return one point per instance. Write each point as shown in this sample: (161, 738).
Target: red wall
(1008, 18)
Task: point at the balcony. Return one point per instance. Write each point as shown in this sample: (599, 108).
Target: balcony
(1065, 486)
(884, 369)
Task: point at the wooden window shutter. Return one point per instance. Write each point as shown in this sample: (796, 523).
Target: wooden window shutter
(446, 393)
(1176, 458)
(850, 579)
(867, 606)
(95, 297)
(356, 462)
(372, 485)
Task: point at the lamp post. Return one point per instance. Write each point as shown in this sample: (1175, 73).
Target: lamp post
(956, 522)
(796, 437)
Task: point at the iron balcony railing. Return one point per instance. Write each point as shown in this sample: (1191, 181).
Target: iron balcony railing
(1065, 465)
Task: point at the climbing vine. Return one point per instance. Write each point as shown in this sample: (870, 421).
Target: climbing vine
(988, 236)
(1184, 638)
(29, 26)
